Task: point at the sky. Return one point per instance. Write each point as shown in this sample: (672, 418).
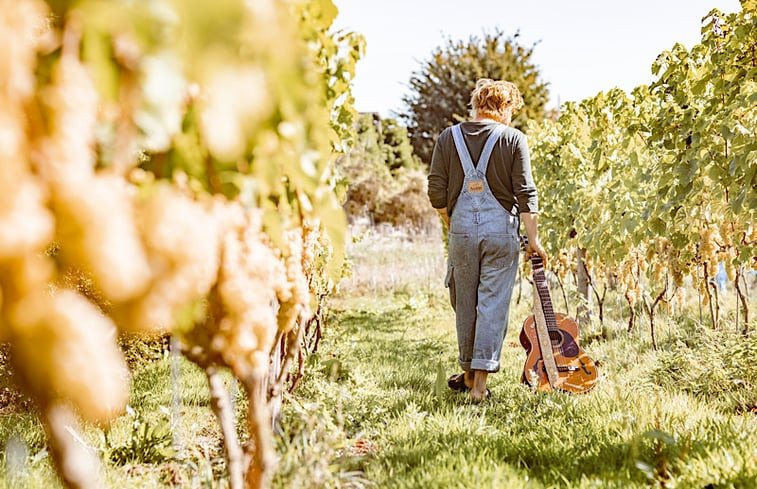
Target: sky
(584, 46)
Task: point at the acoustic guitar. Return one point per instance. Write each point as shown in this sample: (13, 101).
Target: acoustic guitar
(554, 359)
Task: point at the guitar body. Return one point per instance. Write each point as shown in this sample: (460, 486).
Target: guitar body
(576, 371)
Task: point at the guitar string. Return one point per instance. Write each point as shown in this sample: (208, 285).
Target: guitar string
(547, 304)
(541, 280)
(538, 266)
(553, 317)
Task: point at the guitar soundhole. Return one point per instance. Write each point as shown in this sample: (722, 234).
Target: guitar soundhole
(555, 337)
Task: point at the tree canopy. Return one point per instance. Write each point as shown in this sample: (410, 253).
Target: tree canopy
(440, 89)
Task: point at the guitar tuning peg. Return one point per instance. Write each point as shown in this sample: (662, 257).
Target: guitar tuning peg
(523, 242)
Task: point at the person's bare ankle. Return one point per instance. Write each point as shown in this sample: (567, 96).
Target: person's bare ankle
(468, 378)
(478, 395)
(478, 389)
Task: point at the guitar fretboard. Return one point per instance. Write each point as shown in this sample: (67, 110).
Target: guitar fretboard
(540, 280)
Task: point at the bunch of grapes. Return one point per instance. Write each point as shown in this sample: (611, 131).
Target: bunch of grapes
(294, 297)
(630, 275)
(92, 246)
(182, 239)
(563, 264)
(708, 248)
(660, 258)
(250, 274)
(258, 292)
(596, 269)
(317, 251)
(678, 270)
(56, 334)
(95, 228)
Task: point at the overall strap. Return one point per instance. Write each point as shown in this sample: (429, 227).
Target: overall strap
(462, 150)
(483, 160)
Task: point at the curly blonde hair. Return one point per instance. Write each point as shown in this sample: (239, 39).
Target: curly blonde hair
(495, 98)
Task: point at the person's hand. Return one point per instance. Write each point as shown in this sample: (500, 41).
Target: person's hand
(445, 217)
(536, 247)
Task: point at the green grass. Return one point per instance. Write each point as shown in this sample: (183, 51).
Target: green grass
(628, 432)
(679, 417)
(198, 462)
(370, 411)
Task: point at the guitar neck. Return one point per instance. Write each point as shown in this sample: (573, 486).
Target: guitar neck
(540, 281)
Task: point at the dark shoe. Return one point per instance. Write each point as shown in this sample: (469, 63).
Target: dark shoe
(457, 383)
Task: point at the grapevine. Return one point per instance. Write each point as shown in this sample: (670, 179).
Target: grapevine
(183, 173)
(661, 183)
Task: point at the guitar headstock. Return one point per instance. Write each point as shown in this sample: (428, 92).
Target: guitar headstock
(536, 260)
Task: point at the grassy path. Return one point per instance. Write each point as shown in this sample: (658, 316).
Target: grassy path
(627, 433)
(379, 371)
(374, 411)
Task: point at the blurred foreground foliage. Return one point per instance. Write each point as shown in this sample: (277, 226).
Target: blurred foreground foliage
(167, 168)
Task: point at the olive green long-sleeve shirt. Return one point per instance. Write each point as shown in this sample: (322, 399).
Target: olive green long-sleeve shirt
(508, 173)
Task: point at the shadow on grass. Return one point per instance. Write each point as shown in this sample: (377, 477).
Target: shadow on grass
(431, 440)
(392, 321)
(551, 461)
(393, 337)
(153, 385)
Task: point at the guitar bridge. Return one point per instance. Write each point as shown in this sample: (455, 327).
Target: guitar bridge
(567, 368)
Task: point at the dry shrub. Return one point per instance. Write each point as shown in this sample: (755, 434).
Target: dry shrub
(408, 206)
(385, 181)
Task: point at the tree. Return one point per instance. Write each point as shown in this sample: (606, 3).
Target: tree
(384, 178)
(440, 89)
(398, 152)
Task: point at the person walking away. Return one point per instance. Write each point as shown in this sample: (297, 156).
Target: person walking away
(480, 183)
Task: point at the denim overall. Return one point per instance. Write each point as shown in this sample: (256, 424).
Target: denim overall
(483, 261)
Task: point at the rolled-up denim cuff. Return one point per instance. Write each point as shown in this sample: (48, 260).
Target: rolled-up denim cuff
(488, 365)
